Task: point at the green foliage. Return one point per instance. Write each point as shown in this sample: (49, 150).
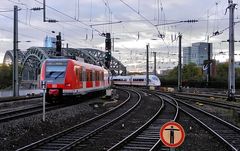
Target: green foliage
(222, 72)
(5, 76)
(191, 72)
(172, 75)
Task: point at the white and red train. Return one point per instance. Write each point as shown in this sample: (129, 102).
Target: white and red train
(137, 80)
(70, 77)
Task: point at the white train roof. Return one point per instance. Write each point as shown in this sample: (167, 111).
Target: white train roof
(133, 76)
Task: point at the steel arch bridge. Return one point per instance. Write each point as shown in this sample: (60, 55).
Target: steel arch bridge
(8, 57)
(30, 61)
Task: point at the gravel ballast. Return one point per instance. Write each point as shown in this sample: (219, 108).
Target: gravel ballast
(18, 133)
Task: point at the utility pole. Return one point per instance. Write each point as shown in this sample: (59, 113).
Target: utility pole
(147, 67)
(15, 53)
(44, 11)
(155, 63)
(113, 44)
(231, 67)
(67, 47)
(209, 63)
(180, 63)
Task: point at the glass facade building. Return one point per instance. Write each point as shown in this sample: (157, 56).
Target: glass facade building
(197, 53)
(50, 42)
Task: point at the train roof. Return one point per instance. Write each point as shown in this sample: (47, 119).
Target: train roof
(75, 62)
(134, 76)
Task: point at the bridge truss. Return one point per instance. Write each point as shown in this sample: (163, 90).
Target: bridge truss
(30, 61)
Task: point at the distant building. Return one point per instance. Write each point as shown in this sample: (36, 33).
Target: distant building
(197, 53)
(186, 55)
(50, 42)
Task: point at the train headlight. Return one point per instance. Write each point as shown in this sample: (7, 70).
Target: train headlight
(67, 84)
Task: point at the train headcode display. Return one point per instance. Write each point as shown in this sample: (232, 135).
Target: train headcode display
(172, 134)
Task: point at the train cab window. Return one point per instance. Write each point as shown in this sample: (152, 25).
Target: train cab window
(55, 71)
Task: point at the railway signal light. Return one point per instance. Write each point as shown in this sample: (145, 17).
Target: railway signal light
(108, 42)
(58, 44)
(108, 55)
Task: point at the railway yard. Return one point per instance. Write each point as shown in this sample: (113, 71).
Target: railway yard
(131, 121)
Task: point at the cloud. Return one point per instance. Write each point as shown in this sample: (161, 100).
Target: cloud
(31, 26)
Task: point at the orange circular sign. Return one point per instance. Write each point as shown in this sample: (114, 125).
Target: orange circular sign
(172, 134)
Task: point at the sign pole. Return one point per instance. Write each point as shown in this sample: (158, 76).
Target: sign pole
(44, 83)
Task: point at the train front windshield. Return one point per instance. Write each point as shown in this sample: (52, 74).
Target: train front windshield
(55, 70)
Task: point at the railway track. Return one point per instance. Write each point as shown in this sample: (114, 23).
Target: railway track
(19, 98)
(83, 131)
(26, 111)
(206, 94)
(147, 136)
(148, 107)
(224, 131)
(212, 103)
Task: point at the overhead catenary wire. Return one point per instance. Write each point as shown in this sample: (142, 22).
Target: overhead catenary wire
(147, 20)
(66, 15)
(33, 27)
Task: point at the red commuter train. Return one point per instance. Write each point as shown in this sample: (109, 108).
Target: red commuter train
(68, 77)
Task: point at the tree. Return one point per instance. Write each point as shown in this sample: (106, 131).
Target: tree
(5, 76)
(222, 72)
(192, 72)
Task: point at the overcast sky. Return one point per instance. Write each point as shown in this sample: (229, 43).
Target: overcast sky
(136, 28)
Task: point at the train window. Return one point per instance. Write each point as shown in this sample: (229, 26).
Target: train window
(55, 71)
(80, 74)
(97, 75)
(87, 75)
(56, 68)
(102, 76)
(76, 71)
(90, 76)
(155, 78)
(84, 76)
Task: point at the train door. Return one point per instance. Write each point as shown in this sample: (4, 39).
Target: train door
(102, 79)
(93, 78)
(80, 77)
(84, 77)
(97, 78)
(89, 82)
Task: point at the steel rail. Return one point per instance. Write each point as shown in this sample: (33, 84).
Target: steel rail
(148, 126)
(99, 129)
(209, 128)
(65, 132)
